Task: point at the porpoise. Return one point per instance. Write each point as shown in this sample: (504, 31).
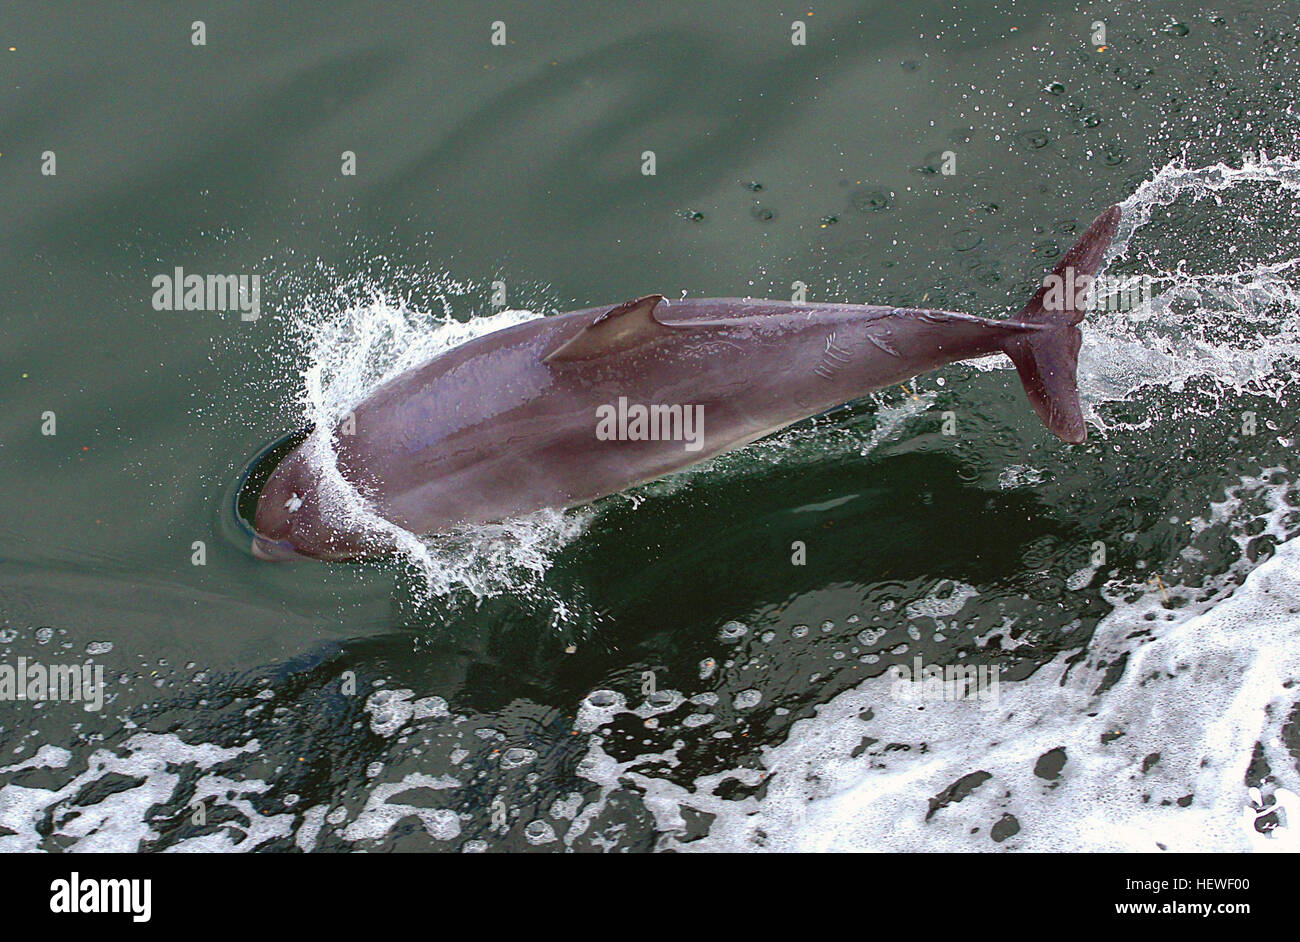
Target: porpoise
(563, 410)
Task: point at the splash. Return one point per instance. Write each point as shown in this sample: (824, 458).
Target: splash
(355, 336)
(1176, 179)
(1237, 327)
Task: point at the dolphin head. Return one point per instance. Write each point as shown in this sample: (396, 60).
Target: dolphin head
(289, 523)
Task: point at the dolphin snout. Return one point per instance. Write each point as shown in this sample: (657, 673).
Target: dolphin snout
(275, 551)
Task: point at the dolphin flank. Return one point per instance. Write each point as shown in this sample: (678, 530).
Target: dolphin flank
(562, 410)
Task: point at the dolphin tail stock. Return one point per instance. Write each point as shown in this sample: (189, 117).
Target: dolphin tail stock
(1046, 357)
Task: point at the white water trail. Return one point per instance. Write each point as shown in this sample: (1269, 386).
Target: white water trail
(1238, 325)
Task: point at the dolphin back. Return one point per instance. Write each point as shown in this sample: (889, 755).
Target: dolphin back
(1046, 355)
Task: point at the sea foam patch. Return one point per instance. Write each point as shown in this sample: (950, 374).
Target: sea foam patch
(1159, 755)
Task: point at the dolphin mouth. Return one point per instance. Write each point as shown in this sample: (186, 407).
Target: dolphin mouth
(274, 551)
(239, 509)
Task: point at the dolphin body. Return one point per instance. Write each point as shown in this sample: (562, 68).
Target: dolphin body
(562, 410)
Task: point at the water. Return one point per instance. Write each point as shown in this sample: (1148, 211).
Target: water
(653, 672)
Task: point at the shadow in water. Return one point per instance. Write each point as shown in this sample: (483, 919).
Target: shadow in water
(655, 584)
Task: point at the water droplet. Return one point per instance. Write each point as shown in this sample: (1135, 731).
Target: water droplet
(932, 163)
(516, 756)
(866, 200)
(539, 832)
(733, 630)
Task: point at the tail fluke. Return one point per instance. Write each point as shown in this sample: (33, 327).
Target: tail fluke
(1047, 358)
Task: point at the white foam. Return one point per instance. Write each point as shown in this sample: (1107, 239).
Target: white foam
(1204, 684)
(380, 815)
(120, 821)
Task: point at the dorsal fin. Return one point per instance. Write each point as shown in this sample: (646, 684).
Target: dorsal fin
(625, 327)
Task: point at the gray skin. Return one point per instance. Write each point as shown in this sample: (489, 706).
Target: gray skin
(506, 424)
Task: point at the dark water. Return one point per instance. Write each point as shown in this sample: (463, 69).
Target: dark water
(474, 703)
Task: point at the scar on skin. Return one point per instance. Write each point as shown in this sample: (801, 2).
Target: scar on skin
(832, 358)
